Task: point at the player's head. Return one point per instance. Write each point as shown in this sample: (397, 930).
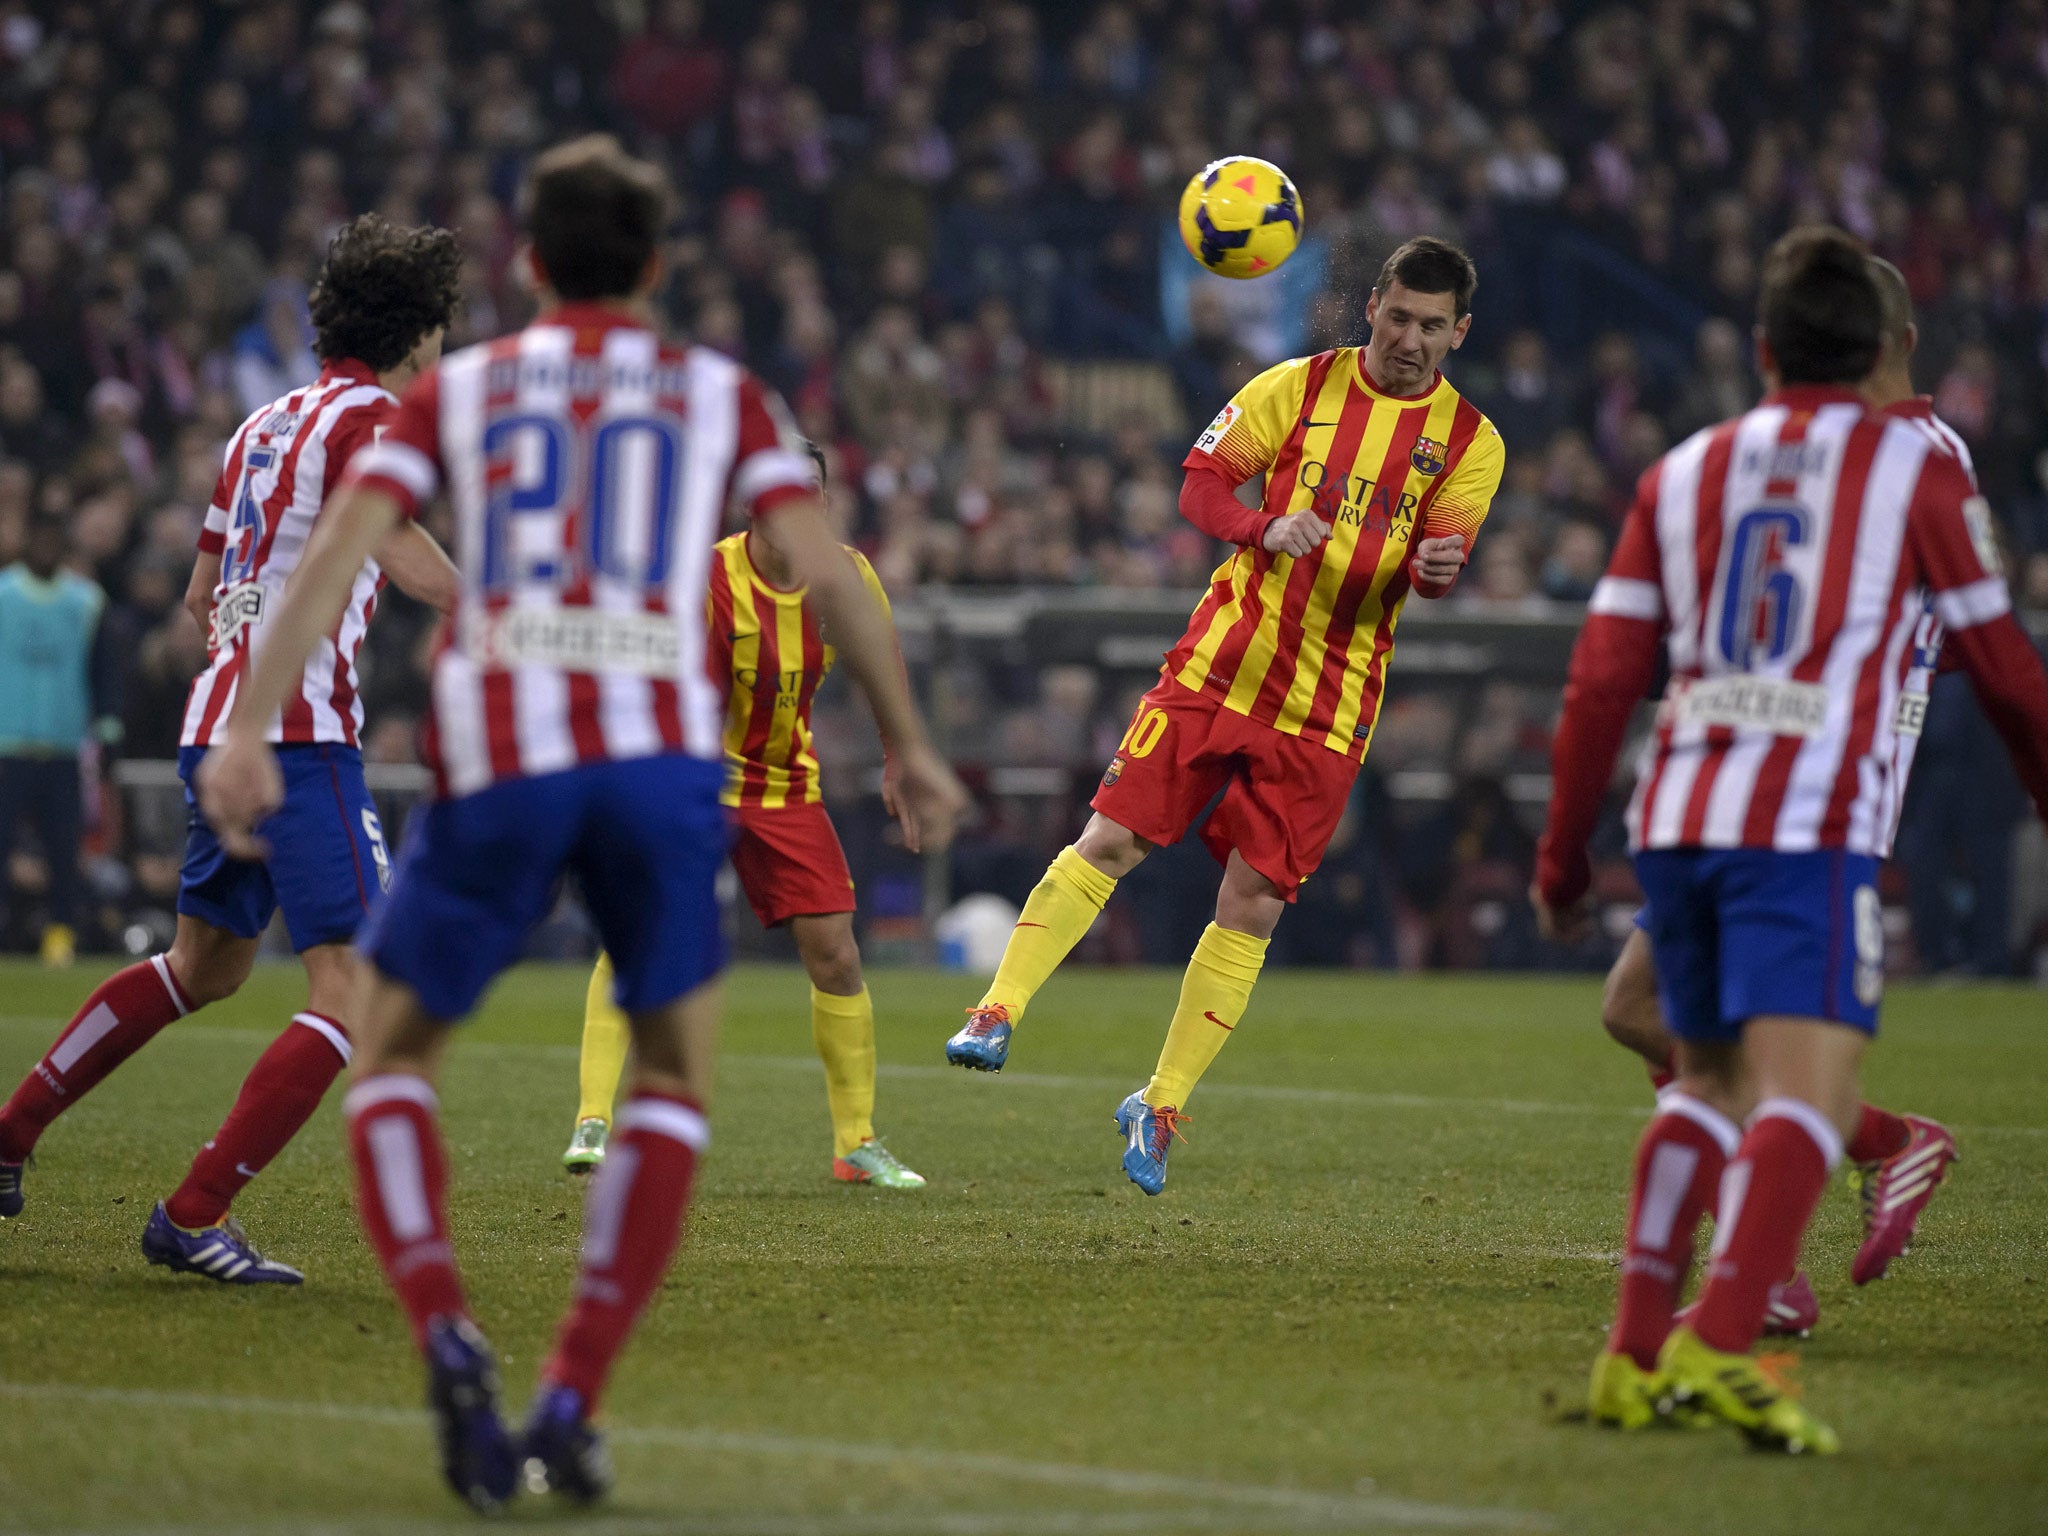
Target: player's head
(1420, 309)
(1820, 319)
(1892, 379)
(385, 295)
(595, 215)
(44, 544)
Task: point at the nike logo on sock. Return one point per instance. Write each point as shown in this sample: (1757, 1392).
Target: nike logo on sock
(246, 1171)
(1216, 1021)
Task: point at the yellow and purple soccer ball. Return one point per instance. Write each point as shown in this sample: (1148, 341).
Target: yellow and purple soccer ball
(1240, 217)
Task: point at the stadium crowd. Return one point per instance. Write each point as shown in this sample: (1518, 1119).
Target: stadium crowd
(944, 231)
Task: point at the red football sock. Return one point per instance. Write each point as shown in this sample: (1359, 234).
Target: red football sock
(1767, 1198)
(279, 1095)
(119, 1019)
(631, 1224)
(1678, 1168)
(1879, 1134)
(402, 1193)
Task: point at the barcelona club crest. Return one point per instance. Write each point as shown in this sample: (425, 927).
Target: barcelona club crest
(1428, 456)
(1116, 770)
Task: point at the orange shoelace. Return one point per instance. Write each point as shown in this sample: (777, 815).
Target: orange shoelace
(981, 1020)
(1778, 1368)
(1166, 1128)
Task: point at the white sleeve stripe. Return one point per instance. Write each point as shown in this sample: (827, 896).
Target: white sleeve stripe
(1978, 603)
(401, 462)
(770, 469)
(1628, 598)
(216, 519)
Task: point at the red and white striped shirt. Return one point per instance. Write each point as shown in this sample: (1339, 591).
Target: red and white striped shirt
(282, 464)
(1788, 559)
(589, 466)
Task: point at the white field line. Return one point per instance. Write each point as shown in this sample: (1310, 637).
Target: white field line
(1253, 1505)
(1275, 1092)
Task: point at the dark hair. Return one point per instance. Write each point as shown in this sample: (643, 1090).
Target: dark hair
(596, 216)
(1894, 298)
(382, 290)
(1820, 308)
(1429, 265)
(818, 458)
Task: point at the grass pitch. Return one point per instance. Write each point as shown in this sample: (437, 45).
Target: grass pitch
(1366, 1301)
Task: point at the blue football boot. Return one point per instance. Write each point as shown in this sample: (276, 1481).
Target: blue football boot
(477, 1455)
(1150, 1131)
(10, 1189)
(562, 1449)
(984, 1044)
(221, 1253)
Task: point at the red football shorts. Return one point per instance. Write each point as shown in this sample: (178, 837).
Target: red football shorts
(1282, 795)
(790, 863)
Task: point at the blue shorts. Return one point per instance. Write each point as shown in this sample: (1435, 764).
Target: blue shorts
(327, 867)
(1741, 932)
(645, 839)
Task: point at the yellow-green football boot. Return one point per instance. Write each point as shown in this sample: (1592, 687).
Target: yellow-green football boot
(873, 1163)
(1741, 1390)
(586, 1147)
(1622, 1393)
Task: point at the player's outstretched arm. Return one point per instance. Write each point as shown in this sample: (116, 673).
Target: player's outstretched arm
(420, 567)
(239, 783)
(862, 634)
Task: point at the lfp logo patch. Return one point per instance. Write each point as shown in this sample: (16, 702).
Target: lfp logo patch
(1428, 456)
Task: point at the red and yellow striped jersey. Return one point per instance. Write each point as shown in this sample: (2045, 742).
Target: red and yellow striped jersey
(1302, 644)
(766, 642)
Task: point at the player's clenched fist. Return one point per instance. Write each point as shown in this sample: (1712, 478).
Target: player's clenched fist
(1295, 534)
(239, 785)
(1438, 561)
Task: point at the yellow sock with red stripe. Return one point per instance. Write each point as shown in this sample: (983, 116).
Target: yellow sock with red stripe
(606, 1039)
(843, 1029)
(1064, 906)
(1213, 997)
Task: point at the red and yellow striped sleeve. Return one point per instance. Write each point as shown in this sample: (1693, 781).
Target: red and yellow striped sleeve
(1248, 433)
(1467, 493)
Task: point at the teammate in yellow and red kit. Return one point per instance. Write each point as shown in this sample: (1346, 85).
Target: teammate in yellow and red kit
(1377, 477)
(765, 640)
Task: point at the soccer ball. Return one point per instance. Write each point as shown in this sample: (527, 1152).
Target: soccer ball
(1240, 217)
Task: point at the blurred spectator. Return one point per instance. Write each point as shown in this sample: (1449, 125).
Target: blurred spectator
(48, 620)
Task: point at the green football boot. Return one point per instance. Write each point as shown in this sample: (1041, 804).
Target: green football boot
(873, 1163)
(586, 1147)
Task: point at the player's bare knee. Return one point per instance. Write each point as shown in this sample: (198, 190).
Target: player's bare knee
(1111, 847)
(1248, 902)
(210, 963)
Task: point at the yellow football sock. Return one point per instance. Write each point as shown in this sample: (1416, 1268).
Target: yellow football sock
(606, 1039)
(1213, 996)
(1061, 909)
(843, 1029)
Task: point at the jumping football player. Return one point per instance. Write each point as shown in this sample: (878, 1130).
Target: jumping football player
(1378, 475)
(379, 307)
(767, 644)
(1898, 1160)
(1786, 559)
(574, 726)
